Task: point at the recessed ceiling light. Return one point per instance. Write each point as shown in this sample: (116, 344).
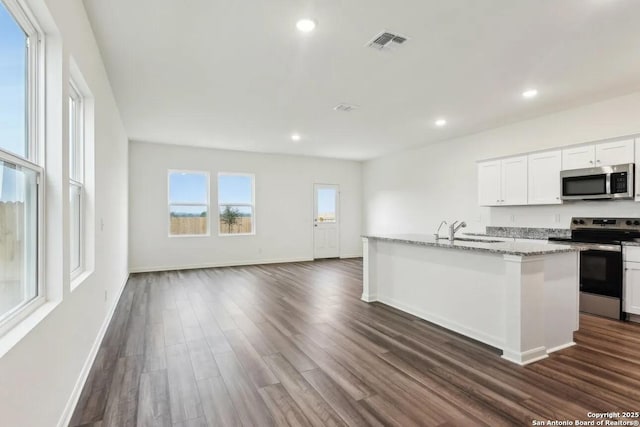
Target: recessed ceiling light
(440, 122)
(530, 93)
(295, 137)
(306, 25)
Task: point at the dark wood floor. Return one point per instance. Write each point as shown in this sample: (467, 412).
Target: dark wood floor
(293, 344)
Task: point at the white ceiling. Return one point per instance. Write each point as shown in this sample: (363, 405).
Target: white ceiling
(238, 75)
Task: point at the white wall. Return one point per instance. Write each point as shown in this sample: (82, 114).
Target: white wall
(414, 190)
(284, 207)
(38, 375)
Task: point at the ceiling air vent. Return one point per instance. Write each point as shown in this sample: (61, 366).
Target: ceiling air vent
(386, 40)
(345, 107)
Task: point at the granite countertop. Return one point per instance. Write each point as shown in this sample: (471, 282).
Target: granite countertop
(505, 248)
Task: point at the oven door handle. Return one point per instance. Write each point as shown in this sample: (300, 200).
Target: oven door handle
(596, 247)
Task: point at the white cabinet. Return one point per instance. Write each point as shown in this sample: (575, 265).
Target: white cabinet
(489, 193)
(631, 292)
(544, 178)
(578, 157)
(637, 162)
(514, 181)
(503, 182)
(615, 153)
(602, 154)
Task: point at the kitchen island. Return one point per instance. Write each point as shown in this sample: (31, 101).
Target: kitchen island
(519, 297)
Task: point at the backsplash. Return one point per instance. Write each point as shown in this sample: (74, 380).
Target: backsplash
(527, 232)
(558, 216)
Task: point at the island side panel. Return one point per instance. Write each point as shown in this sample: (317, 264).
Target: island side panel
(525, 309)
(562, 289)
(369, 283)
(461, 290)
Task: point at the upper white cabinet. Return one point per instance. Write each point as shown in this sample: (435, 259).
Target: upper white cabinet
(503, 182)
(544, 178)
(579, 157)
(489, 176)
(514, 181)
(615, 153)
(602, 154)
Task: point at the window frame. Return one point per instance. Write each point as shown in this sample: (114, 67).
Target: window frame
(76, 171)
(252, 205)
(34, 150)
(169, 204)
(23, 310)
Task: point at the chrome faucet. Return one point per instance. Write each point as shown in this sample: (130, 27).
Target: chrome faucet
(437, 233)
(453, 228)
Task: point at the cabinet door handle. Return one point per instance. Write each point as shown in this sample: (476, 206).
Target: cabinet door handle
(591, 161)
(598, 161)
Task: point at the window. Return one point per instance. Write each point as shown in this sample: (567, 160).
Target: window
(326, 204)
(188, 203)
(236, 208)
(20, 174)
(76, 180)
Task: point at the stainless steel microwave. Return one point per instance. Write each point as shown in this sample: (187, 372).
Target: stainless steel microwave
(603, 182)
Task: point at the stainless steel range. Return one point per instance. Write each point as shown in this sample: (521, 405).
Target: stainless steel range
(601, 261)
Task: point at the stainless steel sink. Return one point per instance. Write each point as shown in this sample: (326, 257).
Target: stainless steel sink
(466, 239)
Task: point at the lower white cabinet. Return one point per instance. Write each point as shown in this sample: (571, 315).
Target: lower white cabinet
(637, 177)
(631, 293)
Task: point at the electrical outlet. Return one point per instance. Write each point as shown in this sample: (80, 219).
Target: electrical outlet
(513, 218)
(557, 218)
(101, 224)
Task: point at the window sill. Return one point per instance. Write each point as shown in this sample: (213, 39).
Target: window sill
(80, 278)
(22, 329)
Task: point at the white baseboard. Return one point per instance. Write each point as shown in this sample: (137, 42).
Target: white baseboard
(65, 418)
(491, 340)
(526, 357)
(561, 347)
(344, 256)
(218, 264)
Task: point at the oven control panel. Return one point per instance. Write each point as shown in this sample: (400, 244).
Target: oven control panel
(632, 224)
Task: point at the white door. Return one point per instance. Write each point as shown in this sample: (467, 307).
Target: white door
(544, 178)
(514, 181)
(614, 153)
(326, 221)
(578, 157)
(489, 183)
